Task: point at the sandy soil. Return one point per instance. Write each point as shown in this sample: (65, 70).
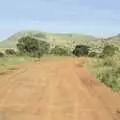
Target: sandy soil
(55, 89)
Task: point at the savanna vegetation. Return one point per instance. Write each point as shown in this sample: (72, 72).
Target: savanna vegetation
(60, 50)
(103, 55)
(1, 54)
(106, 67)
(11, 52)
(81, 50)
(32, 46)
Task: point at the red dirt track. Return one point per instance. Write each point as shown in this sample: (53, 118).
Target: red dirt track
(55, 89)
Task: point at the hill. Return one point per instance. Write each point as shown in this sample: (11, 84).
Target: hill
(53, 38)
(114, 39)
(67, 39)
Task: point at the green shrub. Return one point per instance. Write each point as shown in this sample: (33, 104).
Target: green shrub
(81, 50)
(109, 50)
(1, 54)
(110, 77)
(28, 45)
(59, 50)
(107, 70)
(101, 55)
(32, 46)
(10, 52)
(18, 53)
(108, 61)
(92, 54)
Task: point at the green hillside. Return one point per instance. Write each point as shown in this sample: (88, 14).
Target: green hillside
(66, 39)
(52, 38)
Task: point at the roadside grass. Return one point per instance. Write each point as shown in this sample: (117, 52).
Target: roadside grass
(91, 65)
(11, 61)
(106, 70)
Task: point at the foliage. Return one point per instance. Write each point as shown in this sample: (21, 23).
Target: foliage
(32, 46)
(81, 50)
(28, 45)
(60, 50)
(110, 77)
(44, 47)
(1, 54)
(107, 70)
(10, 61)
(10, 52)
(92, 54)
(109, 50)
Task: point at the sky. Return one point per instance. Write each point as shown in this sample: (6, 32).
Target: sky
(95, 17)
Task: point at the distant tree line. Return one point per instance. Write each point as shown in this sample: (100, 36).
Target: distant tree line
(37, 48)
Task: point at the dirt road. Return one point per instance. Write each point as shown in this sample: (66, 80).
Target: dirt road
(55, 90)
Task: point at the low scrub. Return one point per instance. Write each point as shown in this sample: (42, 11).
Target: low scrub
(81, 50)
(107, 70)
(10, 52)
(92, 54)
(1, 54)
(10, 61)
(60, 50)
(109, 50)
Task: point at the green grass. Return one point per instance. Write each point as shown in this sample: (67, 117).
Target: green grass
(12, 61)
(7, 62)
(107, 70)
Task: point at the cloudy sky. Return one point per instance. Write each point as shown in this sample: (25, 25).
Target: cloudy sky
(95, 17)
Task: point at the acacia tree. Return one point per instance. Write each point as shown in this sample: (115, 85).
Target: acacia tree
(32, 46)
